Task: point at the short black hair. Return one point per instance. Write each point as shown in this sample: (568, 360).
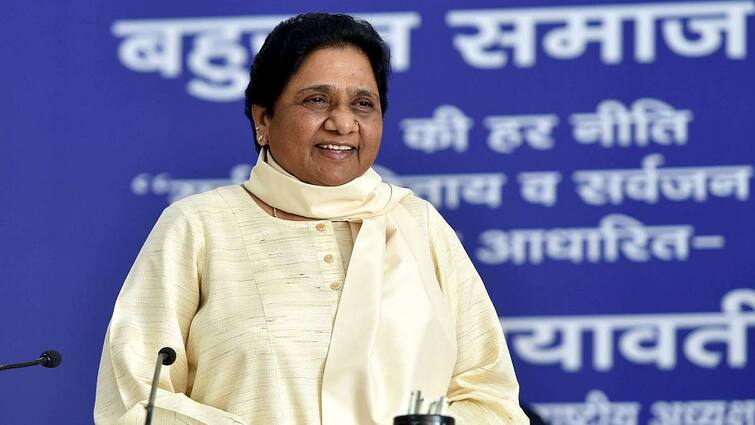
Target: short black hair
(292, 40)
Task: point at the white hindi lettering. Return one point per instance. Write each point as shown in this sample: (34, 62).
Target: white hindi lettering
(538, 346)
(596, 409)
(510, 35)
(648, 120)
(711, 412)
(475, 48)
(707, 339)
(217, 60)
(739, 314)
(651, 183)
(150, 46)
(448, 128)
(222, 47)
(708, 24)
(448, 191)
(616, 237)
(395, 29)
(589, 26)
(175, 189)
(677, 413)
(219, 82)
(509, 132)
(539, 187)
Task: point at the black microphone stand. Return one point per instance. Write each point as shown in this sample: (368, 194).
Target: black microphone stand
(49, 359)
(20, 365)
(166, 356)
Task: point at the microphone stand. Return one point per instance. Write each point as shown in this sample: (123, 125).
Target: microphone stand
(166, 356)
(20, 365)
(49, 359)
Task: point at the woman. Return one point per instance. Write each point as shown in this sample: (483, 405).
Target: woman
(314, 293)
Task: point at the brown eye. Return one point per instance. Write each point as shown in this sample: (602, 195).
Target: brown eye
(364, 104)
(315, 100)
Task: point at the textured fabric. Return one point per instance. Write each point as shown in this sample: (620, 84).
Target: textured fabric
(365, 196)
(393, 333)
(249, 302)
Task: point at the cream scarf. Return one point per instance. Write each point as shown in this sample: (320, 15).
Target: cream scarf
(393, 331)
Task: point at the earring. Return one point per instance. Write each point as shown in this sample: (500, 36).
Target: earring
(259, 136)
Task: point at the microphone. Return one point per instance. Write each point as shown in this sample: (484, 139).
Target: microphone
(166, 356)
(434, 414)
(49, 359)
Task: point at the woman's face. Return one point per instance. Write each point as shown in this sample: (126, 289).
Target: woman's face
(327, 123)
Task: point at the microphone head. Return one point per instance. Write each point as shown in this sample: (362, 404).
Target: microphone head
(169, 355)
(51, 358)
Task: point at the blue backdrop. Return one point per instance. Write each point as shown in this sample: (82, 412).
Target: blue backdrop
(596, 159)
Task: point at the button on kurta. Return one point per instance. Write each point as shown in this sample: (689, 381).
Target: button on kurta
(329, 258)
(320, 227)
(335, 286)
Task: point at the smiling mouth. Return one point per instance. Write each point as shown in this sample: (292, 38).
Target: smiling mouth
(340, 148)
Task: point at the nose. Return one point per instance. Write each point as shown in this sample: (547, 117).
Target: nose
(341, 120)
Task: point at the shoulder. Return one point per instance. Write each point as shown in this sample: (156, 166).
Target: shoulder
(213, 203)
(206, 201)
(199, 210)
(417, 207)
(423, 212)
(439, 232)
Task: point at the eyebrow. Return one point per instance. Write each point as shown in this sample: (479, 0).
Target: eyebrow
(326, 88)
(322, 88)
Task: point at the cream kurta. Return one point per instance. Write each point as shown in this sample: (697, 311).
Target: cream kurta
(248, 302)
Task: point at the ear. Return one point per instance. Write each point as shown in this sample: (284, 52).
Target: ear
(261, 122)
